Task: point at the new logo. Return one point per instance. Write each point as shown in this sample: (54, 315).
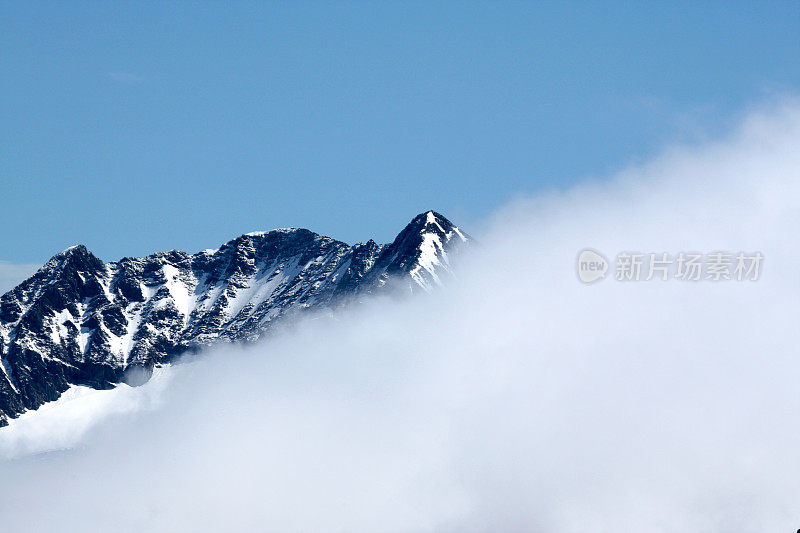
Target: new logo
(592, 266)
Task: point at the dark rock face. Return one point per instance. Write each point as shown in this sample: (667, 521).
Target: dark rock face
(80, 321)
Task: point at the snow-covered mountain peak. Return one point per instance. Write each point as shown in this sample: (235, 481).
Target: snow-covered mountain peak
(81, 321)
(272, 231)
(433, 222)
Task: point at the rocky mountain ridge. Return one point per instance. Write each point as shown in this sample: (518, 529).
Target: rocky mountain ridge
(81, 321)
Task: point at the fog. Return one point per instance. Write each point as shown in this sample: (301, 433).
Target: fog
(514, 399)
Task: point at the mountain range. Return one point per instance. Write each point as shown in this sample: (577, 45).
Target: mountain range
(82, 321)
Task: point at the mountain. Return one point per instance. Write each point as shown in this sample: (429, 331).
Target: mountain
(81, 321)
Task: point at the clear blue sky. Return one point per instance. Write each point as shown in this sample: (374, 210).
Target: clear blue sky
(134, 128)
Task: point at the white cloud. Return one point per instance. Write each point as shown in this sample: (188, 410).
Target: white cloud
(12, 274)
(127, 78)
(62, 424)
(516, 399)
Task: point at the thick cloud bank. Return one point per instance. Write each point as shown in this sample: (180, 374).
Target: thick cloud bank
(518, 399)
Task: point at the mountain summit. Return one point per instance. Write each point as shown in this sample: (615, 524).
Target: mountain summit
(80, 321)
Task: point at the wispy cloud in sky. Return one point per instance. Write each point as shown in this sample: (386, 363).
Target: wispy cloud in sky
(517, 399)
(13, 273)
(127, 78)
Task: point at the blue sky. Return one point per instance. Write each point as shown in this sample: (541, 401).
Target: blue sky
(134, 128)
